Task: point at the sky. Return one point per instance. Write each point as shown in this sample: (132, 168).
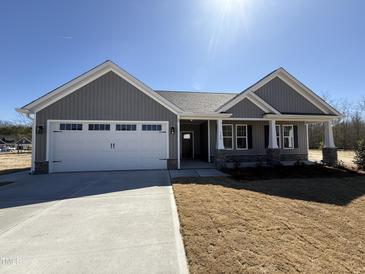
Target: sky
(193, 45)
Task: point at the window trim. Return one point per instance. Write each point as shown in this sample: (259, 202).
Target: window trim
(246, 136)
(92, 125)
(70, 127)
(232, 137)
(126, 130)
(152, 124)
(280, 140)
(292, 137)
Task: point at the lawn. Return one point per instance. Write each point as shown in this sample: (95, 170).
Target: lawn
(346, 156)
(313, 225)
(11, 162)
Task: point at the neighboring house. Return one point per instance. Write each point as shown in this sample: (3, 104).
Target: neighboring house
(106, 119)
(2, 144)
(23, 144)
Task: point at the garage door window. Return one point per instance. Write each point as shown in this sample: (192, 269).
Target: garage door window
(70, 126)
(126, 127)
(151, 127)
(104, 127)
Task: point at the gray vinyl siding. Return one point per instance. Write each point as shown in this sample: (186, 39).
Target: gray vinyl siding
(107, 98)
(258, 138)
(285, 99)
(246, 109)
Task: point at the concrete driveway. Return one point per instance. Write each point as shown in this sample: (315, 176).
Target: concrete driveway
(101, 222)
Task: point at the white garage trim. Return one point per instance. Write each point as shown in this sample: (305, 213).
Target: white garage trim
(49, 146)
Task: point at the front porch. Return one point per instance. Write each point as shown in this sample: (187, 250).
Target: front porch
(231, 143)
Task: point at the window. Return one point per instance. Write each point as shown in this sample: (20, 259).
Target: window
(278, 136)
(96, 127)
(228, 136)
(70, 126)
(241, 137)
(151, 127)
(126, 127)
(288, 136)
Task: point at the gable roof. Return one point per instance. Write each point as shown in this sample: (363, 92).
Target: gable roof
(88, 77)
(24, 141)
(292, 82)
(196, 101)
(182, 102)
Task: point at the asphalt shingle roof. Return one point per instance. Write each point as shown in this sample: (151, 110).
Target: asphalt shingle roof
(196, 101)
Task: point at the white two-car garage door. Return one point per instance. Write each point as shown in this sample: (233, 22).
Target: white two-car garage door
(96, 146)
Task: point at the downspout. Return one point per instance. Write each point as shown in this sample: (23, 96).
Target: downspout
(178, 141)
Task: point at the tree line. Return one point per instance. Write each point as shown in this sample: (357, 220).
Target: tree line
(347, 130)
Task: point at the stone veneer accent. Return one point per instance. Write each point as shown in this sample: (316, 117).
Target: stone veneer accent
(171, 164)
(329, 155)
(293, 157)
(273, 156)
(225, 160)
(41, 167)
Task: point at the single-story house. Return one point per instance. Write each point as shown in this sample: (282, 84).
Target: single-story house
(23, 143)
(106, 119)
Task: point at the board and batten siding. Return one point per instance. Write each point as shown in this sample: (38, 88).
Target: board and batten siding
(258, 138)
(109, 97)
(246, 109)
(285, 99)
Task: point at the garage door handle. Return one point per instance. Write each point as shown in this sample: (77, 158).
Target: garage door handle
(56, 161)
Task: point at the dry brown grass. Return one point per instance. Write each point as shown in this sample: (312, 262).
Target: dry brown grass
(10, 162)
(273, 226)
(346, 156)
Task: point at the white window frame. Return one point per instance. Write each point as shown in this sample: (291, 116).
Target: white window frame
(228, 125)
(278, 130)
(246, 136)
(291, 137)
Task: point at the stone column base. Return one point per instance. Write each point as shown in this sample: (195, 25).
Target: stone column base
(41, 167)
(273, 156)
(329, 155)
(219, 159)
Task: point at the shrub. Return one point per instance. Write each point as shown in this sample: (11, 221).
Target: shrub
(360, 154)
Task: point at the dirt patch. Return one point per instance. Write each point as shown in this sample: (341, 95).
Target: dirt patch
(273, 226)
(13, 162)
(296, 171)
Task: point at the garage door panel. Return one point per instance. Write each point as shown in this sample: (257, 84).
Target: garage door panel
(85, 150)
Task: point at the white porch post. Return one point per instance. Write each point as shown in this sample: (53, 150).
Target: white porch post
(272, 135)
(328, 135)
(220, 144)
(178, 142)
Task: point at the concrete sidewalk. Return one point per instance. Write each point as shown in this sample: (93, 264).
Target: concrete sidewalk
(102, 222)
(197, 172)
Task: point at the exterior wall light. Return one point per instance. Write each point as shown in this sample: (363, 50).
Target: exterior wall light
(39, 129)
(172, 130)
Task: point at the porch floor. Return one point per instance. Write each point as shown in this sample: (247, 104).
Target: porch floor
(194, 164)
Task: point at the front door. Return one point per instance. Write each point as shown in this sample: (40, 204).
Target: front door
(187, 145)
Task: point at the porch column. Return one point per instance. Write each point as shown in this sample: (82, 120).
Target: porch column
(328, 135)
(220, 144)
(329, 150)
(273, 151)
(272, 135)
